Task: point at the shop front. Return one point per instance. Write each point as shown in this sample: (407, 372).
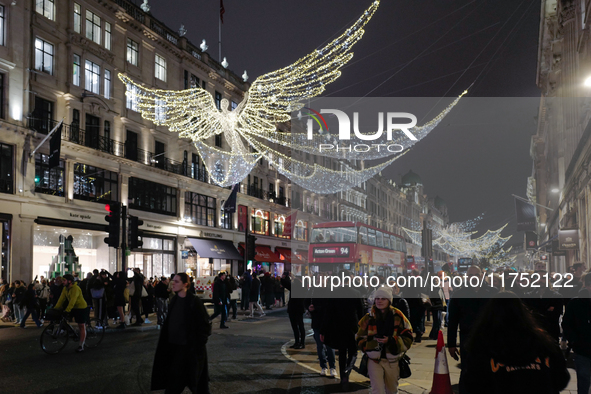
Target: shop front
(265, 259)
(211, 256)
(156, 257)
(61, 246)
(291, 261)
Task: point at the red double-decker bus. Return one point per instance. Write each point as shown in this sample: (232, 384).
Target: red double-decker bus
(362, 249)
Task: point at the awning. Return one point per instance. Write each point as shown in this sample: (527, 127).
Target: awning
(265, 255)
(289, 257)
(207, 248)
(303, 255)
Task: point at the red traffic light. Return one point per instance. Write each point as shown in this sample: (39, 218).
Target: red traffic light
(108, 207)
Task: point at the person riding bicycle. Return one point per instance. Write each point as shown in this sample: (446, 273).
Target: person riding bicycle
(76, 306)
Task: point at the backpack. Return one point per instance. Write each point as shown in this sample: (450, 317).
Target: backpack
(233, 284)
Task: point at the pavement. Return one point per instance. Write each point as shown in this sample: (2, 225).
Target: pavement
(422, 363)
(275, 326)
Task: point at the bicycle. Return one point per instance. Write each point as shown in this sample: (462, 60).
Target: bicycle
(56, 335)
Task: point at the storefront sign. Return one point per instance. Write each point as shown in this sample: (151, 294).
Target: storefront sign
(158, 227)
(338, 251)
(568, 239)
(184, 254)
(205, 234)
(531, 240)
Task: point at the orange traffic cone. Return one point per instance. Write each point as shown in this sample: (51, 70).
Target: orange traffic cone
(441, 380)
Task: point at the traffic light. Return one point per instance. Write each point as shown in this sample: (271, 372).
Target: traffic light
(114, 220)
(250, 247)
(134, 223)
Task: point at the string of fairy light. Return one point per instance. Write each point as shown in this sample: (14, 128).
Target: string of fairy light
(252, 125)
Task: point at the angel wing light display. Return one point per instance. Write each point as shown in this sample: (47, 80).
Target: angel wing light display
(250, 129)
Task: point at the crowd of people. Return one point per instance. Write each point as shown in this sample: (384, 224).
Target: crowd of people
(517, 336)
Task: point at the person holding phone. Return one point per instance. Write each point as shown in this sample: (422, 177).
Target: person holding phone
(384, 335)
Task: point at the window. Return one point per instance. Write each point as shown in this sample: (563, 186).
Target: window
(93, 27)
(108, 35)
(132, 52)
(218, 140)
(218, 100)
(160, 68)
(301, 231)
(279, 226)
(45, 8)
(95, 184)
(43, 56)
(76, 71)
(226, 219)
(107, 142)
(2, 96)
(92, 77)
(234, 105)
(201, 209)
(130, 97)
(77, 18)
(107, 92)
(1, 25)
(153, 197)
(48, 181)
(6, 168)
(260, 222)
(194, 82)
(43, 115)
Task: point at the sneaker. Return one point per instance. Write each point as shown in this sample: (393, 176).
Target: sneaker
(224, 327)
(80, 349)
(147, 321)
(324, 372)
(263, 314)
(333, 372)
(120, 326)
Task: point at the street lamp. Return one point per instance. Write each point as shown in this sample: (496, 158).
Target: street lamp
(587, 82)
(556, 190)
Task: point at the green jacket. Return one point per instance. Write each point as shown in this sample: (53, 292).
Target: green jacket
(74, 297)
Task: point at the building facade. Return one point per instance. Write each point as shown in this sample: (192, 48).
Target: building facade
(561, 147)
(64, 66)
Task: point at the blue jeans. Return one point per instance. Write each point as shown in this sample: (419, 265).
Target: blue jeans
(324, 352)
(583, 368)
(33, 314)
(18, 313)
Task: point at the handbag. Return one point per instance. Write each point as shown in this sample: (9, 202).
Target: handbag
(362, 370)
(144, 291)
(404, 364)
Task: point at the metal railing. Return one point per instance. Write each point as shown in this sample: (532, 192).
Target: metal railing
(136, 12)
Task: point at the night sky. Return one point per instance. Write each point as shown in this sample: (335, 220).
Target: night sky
(479, 155)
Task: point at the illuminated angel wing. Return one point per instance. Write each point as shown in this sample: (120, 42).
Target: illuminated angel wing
(191, 113)
(273, 96)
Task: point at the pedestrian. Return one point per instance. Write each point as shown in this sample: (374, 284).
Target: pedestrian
(119, 289)
(384, 335)
(339, 327)
(511, 353)
(18, 296)
(295, 310)
(220, 299)
(161, 294)
(147, 300)
(268, 285)
(55, 290)
(466, 305)
(98, 295)
(278, 291)
(317, 309)
(437, 298)
(232, 289)
(546, 306)
(255, 289)
(246, 283)
(181, 355)
(4, 298)
(42, 298)
(136, 297)
(447, 292)
(29, 302)
(576, 324)
(412, 294)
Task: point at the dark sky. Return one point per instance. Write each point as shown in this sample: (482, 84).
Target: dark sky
(474, 160)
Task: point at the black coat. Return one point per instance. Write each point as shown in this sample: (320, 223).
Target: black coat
(550, 320)
(341, 318)
(255, 289)
(198, 331)
(219, 296)
(464, 309)
(577, 323)
(295, 306)
(319, 311)
(401, 304)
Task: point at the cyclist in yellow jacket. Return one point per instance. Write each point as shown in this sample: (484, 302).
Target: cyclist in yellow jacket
(75, 306)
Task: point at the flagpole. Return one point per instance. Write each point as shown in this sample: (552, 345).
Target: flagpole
(529, 202)
(46, 138)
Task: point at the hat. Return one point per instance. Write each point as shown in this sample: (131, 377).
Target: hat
(383, 292)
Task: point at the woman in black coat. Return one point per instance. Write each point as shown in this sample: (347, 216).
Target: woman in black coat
(181, 355)
(339, 327)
